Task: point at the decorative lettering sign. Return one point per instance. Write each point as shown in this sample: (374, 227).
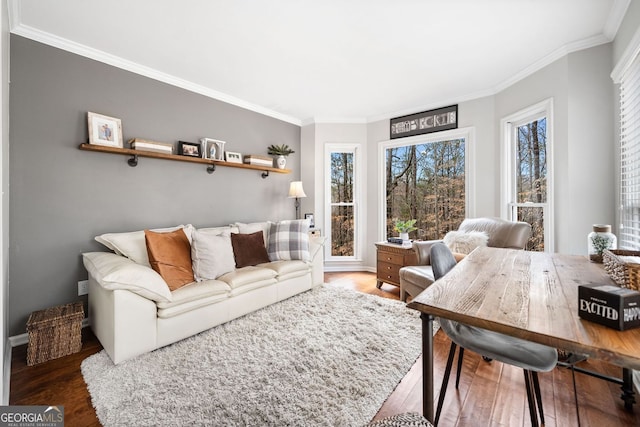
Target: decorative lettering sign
(426, 122)
(617, 308)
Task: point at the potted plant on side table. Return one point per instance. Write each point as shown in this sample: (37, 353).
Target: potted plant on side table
(404, 228)
(282, 151)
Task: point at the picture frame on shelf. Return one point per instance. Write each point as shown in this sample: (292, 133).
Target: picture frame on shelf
(213, 149)
(190, 149)
(309, 216)
(104, 130)
(232, 157)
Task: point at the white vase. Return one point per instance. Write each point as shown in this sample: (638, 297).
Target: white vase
(404, 237)
(281, 161)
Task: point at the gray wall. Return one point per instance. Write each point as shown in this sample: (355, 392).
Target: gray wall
(61, 197)
(4, 203)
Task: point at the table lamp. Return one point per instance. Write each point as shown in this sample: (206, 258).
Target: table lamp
(295, 192)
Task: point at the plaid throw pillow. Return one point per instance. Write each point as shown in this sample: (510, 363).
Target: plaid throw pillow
(289, 240)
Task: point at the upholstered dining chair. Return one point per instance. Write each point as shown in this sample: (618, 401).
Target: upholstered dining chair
(531, 357)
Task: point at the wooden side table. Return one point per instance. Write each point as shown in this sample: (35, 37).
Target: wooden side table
(390, 259)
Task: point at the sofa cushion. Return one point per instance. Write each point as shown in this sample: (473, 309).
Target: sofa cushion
(113, 272)
(170, 255)
(176, 309)
(132, 244)
(465, 242)
(247, 275)
(288, 269)
(192, 296)
(248, 249)
(211, 254)
(289, 240)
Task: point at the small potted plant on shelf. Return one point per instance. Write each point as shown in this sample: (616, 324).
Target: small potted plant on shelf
(282, 151)
(404, 228)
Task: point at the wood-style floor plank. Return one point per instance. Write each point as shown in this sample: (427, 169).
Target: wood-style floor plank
(490, 394)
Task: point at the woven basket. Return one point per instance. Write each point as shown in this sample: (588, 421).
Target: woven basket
(625, 274)
(54, 332)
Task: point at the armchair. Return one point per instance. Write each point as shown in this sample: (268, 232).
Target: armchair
(502, 234)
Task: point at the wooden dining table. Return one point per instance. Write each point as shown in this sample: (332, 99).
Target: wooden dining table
(529, 295)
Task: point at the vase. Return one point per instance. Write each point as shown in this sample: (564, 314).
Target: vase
(404, 237)
(281, 161)
(598, 240)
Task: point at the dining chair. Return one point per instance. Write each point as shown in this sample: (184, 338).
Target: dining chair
(531, 357)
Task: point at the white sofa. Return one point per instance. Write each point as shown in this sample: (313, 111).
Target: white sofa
(132, 311)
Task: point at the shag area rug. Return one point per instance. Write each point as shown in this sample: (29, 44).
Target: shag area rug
(327, 357)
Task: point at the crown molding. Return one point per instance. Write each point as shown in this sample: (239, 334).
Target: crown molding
(614, 20)
(551, 58)
(118, 62)
(334, 120)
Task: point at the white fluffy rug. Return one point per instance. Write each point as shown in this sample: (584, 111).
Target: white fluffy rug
(328, 357)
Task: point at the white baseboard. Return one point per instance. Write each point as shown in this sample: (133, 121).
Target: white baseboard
(6, 374)
(339, 268)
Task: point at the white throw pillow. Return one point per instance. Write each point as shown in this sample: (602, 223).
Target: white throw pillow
(133, 245)
(464, 243)
(211, 254)
(255, 226)
(289, 240)
(113, 272)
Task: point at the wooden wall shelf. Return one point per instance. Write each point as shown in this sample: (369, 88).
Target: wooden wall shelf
(211, 164)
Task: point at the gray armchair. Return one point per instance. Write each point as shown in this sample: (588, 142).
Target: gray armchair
(502, 234)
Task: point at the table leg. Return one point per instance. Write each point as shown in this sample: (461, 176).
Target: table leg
(427, 366)
(627, 389)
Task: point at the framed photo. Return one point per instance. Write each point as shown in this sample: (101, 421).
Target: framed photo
(104, 130)
(232, 157)
(190, 149)
(444, 118)
(212, 148)
(309, 216)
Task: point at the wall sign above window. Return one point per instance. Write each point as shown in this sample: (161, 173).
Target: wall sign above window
(444, 118)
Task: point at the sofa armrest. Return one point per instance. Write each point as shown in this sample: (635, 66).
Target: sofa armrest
(115, 272)
(422, 249)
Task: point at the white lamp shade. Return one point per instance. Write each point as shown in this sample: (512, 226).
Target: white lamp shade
(296, 190)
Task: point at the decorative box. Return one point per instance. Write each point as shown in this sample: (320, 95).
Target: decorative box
(608, 305)
(54, 332)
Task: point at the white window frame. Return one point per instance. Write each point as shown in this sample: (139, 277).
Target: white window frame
(628, 156)
(466, 133)
(508, 128)
(358, 231)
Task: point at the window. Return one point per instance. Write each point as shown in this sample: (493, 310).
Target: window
(527, 179)
(343, 196)
(629, 233)
(426, 178)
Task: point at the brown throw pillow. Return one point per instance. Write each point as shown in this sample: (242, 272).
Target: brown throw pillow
(248, 249)
(170, 256)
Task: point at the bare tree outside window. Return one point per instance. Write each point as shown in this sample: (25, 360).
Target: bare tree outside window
(531, 179)
(426, 182)
(342, 205)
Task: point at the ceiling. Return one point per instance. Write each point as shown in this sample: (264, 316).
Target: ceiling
(306, 61)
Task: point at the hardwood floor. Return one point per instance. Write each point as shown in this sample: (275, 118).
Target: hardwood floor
(489, 393)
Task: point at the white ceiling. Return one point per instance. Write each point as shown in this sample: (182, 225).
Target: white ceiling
(325, 60)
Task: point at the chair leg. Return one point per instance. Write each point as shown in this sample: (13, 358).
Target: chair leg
(575, 393)
(445, 381)
(536, 387)
(530, 398)
(460, 356)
